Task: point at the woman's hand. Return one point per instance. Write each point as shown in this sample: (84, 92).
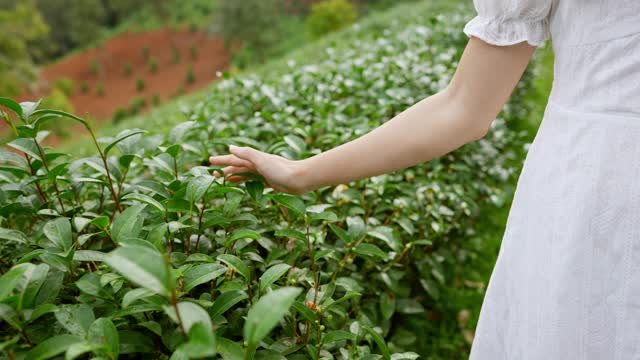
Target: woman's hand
(281, 174)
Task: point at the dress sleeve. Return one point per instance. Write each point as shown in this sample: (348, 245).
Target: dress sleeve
(508, 22)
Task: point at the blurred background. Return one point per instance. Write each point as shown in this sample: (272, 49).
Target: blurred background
(112, 59)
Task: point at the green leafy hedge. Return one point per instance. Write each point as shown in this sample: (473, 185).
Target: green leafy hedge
(139, 252)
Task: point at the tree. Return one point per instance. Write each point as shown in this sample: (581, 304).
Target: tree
(18, 27)
(251, 23)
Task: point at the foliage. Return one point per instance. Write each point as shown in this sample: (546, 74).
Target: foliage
(57, 99)
(137, 104)
(153, 65)
(190, 78)
(95, 67)
(127, 69)
(175, 55)
(84, 87)
(239, 24)
(140, 84)
(100, 88)
(330, 15)
(65, 85)
(73, 23)
(18, 26)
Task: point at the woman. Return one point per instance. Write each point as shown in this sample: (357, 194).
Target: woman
(566, 284)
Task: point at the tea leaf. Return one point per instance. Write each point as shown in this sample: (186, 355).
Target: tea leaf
(58, 231)
(225, 301)
(127, 224)
(265, 314)
(201, 274)
(52, 347)
(142, 266)
(237, 264)
(190, 314)
(272, 274)
(11, 105)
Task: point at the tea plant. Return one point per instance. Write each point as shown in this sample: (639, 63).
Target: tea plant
(138, 251)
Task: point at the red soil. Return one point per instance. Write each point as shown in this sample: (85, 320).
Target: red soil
(120, 89)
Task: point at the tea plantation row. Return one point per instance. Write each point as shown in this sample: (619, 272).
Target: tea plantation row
(139, 252)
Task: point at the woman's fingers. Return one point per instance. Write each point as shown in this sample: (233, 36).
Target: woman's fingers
(229, 160)
(236, 169)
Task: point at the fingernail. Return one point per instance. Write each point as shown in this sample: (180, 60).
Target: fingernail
(232, 147)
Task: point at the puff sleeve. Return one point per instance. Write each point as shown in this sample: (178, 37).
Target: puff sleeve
(508, 22)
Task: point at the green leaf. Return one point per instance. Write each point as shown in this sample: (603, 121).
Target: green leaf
(143, 266)
(103, 332)
(28, 107)
(272, 274)
(198, 187)
(201, 274)
(52, 347)
(255, 189)
(8, 314)
(267, 312)
(134, 295)
(385, 234)
(11, 105)
(190, 314)
(201, 342)
(42, 112)
(356, 227)
(379, 341)
(237, 264)
(242, 234)
(337, 335)
(39, 311)
(123, 135)
(31, 283)
(291, 233)
(370, 250)
(225, 301)
(27, 146)
(88, 255)
(90, 284)
(303, 310)
(76, 318)
(341, 233)
(127, 224)
(174, 150)
(78, 349)
(11, 278)
(387, 305)
(13, 235)
(145, 199)
(229, 350)
(290, 202)
(58, 231)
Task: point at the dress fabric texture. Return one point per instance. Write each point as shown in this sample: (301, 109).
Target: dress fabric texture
(566, 284)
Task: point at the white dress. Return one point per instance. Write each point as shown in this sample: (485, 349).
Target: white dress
(566, 284)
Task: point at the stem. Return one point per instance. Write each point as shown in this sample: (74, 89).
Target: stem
(316, 280)
(33, 173)
(46, 166)
(175, 167)
(124, 176)
(174, 302)
(106, 167)
(200, 226)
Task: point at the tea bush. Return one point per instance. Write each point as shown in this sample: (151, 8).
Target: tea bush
(140, 252)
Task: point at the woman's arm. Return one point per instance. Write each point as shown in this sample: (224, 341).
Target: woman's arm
(441, 123)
